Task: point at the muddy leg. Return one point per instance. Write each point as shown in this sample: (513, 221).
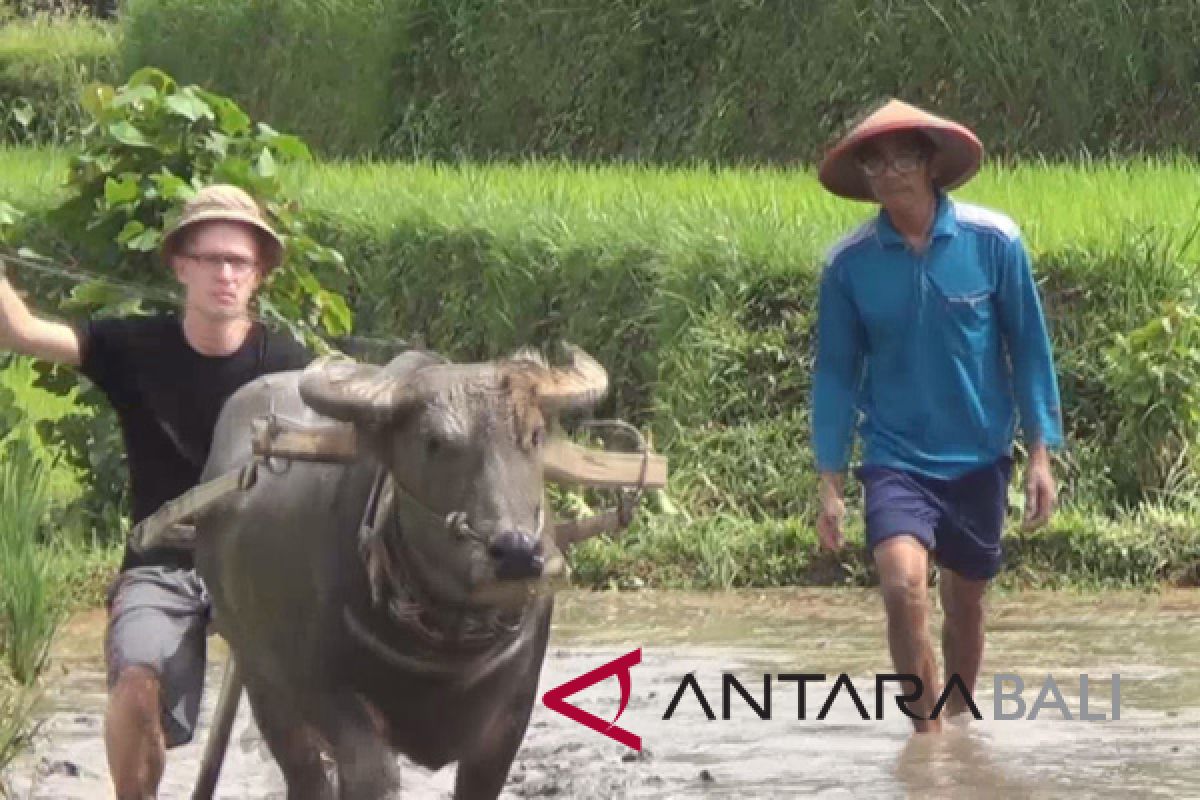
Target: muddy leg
(903, 569)
(133, 734)
(294, 743)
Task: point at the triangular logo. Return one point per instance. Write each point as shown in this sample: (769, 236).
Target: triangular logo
(555, 699)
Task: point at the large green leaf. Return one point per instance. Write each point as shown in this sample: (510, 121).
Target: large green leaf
(171, 187)
(146, 241)
(91, 295)
(230, 119)
(187, 104)
(35, 403)
(132, 228)
(125, 133)
(291, 147)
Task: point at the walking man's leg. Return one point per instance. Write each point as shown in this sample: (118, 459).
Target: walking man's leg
(133, 735)
(969, 556)
(962, 633)
(155, 652)
(903, 564)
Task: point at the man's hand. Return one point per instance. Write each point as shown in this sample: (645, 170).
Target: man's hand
(22, 332)
(1041, 495)
(832, 511)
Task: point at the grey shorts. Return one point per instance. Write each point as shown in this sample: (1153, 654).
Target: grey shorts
(158, 618)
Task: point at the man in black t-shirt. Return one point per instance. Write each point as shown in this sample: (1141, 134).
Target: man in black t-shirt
(167, 378)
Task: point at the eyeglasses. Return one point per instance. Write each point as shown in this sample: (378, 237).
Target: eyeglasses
(239, 264)
(902, 162)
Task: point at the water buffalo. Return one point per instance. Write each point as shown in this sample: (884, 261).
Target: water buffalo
(425, 638)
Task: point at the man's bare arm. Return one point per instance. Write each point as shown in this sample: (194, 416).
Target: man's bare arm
(23, 332)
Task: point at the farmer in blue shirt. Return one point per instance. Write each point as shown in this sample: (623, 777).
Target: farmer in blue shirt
(932, 344)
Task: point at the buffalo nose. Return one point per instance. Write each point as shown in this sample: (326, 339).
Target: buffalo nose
(517, 555)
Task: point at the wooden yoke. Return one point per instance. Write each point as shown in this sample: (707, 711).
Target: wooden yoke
(565, 464)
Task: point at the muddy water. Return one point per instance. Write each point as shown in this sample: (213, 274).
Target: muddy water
(1153, 750)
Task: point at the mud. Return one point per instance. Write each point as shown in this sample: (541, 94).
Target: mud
(1151, 641)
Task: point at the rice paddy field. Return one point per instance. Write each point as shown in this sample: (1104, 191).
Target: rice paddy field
(695, 288)
(694, 285)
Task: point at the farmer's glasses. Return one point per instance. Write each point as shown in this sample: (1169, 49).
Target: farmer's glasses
(903, 163)
(238, 264)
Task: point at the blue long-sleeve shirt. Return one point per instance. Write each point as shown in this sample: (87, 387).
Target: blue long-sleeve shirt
(932, 355)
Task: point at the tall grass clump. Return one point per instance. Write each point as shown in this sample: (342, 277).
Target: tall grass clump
(29, 611)
(17, 710)
(320, 68)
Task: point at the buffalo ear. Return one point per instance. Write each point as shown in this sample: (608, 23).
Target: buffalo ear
(347, 390)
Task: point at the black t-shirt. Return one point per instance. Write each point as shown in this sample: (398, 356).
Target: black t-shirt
(167, 397)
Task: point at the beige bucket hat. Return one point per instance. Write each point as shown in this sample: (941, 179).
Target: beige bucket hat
(227, 203)
(956, 160)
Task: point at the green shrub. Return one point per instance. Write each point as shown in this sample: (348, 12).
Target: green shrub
(1153, 373)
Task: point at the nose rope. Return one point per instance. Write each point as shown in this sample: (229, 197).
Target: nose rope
(396, 587)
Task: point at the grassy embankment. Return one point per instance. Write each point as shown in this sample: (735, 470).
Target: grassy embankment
(695, 288)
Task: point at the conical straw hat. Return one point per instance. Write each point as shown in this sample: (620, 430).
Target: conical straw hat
(959, 151)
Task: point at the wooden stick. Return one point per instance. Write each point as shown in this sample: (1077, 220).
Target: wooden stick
(568, 463)
(218, 733)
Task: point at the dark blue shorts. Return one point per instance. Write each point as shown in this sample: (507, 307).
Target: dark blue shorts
(960, 520)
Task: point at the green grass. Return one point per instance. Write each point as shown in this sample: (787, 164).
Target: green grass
(44, 574)
(42, 40)
(1080, 548)
(17, 722)
(29, 608)
(32, 176)
(764, 214)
